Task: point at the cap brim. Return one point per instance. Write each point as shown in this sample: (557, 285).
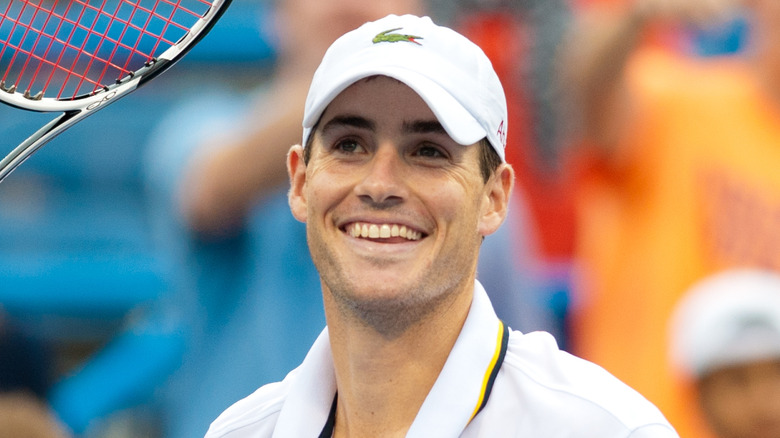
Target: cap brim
(461, 126)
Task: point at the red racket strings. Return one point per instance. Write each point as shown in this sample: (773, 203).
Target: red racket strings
(64, 49)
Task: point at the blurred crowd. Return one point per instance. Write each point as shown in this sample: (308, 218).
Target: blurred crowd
(644, 234)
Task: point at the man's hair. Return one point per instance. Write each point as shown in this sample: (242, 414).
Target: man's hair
(488, 157)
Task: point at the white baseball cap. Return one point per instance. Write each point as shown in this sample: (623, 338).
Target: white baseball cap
(451, 74)
(730, 318)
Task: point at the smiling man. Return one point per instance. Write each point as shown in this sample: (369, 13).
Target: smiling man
(400, 177)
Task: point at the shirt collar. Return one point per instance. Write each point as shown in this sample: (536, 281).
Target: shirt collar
(457, 395)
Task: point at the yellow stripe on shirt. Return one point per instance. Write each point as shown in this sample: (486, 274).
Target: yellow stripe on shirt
(492, 370)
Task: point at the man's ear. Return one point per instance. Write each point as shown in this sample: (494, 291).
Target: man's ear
(296, 169)
(496, 203)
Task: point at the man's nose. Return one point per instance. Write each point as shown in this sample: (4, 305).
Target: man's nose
(383, 183)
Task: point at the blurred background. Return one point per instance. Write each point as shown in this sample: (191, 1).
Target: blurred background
(151, 273)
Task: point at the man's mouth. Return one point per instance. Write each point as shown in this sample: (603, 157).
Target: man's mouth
(382, 231)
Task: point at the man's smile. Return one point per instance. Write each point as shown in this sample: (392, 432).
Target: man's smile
(382, 231)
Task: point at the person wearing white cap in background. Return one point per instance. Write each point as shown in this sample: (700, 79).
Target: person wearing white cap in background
(399, 178)
(725, 337)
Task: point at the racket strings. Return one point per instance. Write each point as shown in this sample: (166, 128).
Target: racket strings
(64, 49)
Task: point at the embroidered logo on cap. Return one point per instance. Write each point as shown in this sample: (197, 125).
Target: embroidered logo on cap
(387, 37)
(502, 133)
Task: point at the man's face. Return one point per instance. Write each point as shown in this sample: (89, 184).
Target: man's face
(395, 209)
(743, 401)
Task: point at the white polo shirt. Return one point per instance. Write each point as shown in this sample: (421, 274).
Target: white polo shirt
(529, 388)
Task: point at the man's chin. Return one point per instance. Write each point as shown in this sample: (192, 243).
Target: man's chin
(390, 311)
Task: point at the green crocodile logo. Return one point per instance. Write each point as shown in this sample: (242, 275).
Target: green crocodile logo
(387, 37)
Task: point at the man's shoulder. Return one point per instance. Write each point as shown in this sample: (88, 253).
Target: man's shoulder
(254, 416)
(569, 388)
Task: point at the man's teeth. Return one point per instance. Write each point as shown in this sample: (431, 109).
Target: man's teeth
(384, 231)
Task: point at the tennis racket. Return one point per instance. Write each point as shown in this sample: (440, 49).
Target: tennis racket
(79, 56)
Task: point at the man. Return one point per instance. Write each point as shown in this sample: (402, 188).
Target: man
(401, 176)
(726, 342)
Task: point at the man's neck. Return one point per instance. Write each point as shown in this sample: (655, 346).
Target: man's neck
(382, 382)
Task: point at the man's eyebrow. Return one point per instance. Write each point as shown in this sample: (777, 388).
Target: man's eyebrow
(349, 121)
(424, 127)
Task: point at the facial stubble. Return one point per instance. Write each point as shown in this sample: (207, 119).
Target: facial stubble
(391, 313)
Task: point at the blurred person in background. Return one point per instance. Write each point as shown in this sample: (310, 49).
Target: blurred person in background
(677, 174)
(725, 342)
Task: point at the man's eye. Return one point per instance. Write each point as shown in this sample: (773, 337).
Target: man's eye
(348, 146)
(430, 152)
